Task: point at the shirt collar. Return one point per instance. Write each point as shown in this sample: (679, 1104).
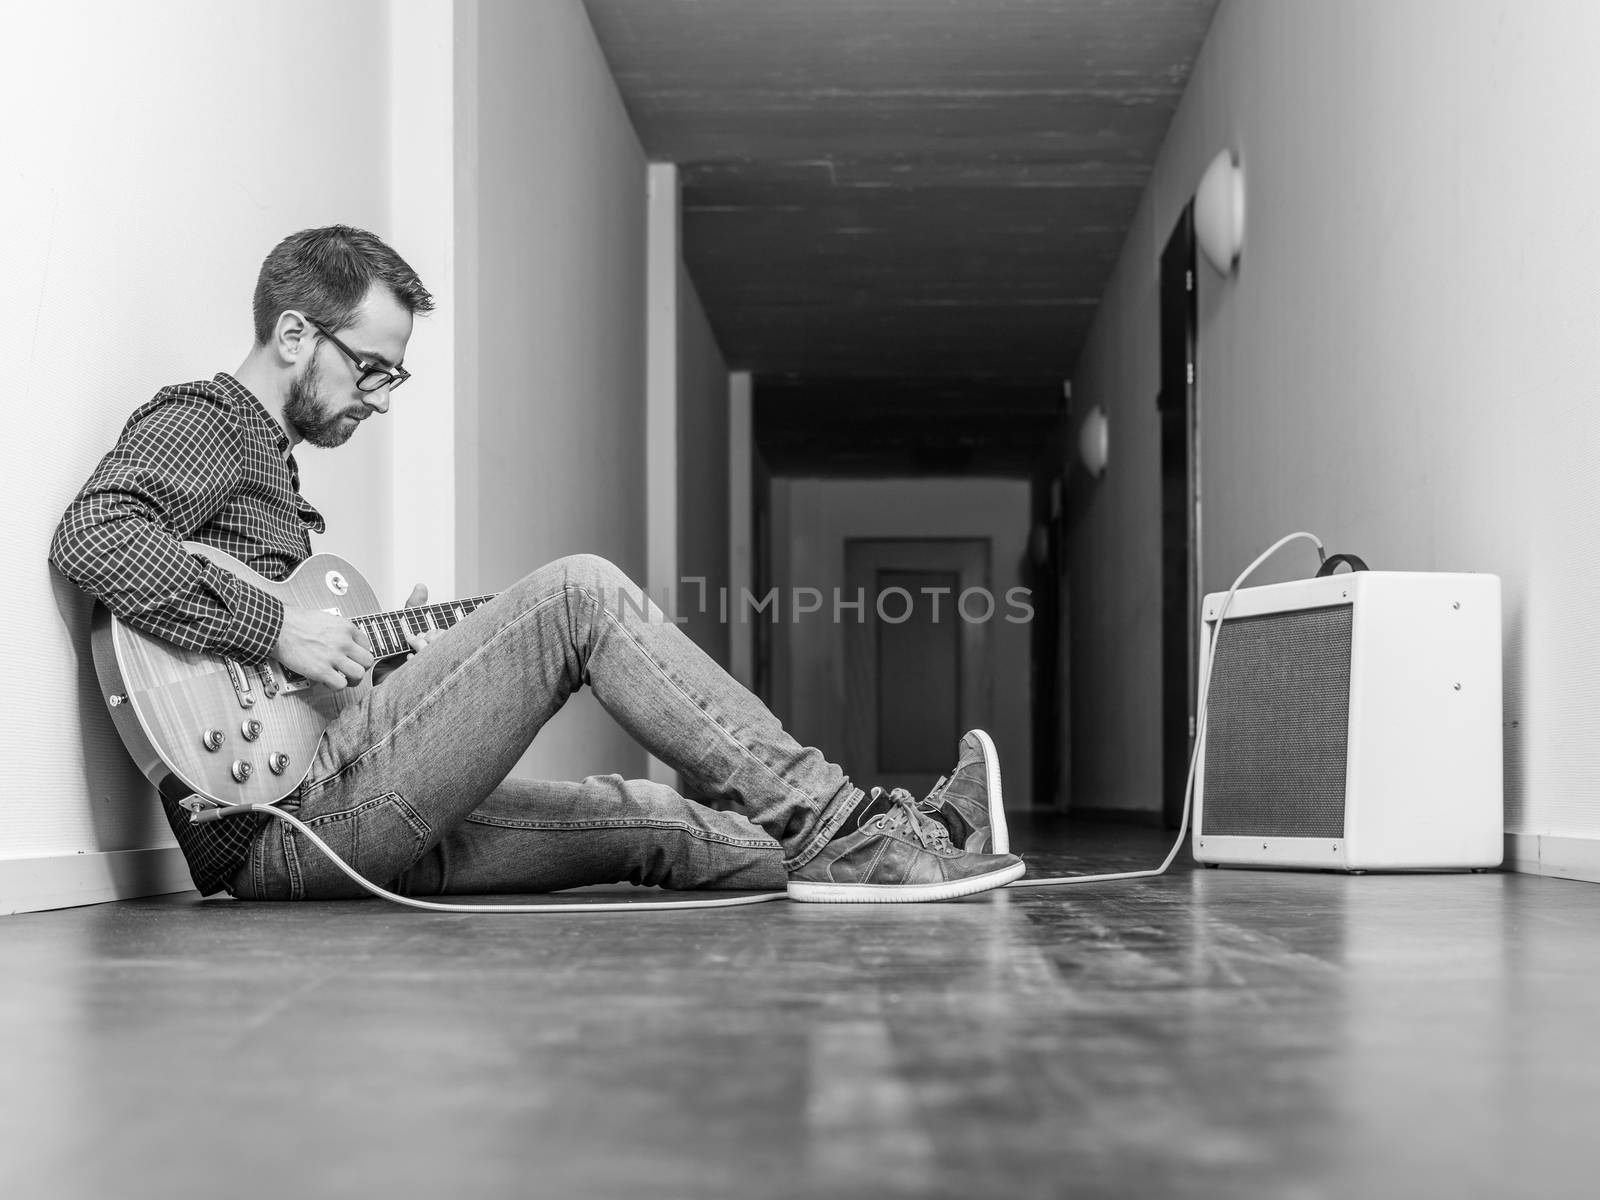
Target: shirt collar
(243, 396)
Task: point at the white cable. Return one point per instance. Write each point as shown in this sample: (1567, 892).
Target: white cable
(572, 907)
(1199, 735)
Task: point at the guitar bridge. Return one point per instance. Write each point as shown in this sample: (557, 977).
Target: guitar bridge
(269, 681)
(272, 686)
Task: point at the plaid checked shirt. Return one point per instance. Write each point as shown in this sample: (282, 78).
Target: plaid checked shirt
(201, 462)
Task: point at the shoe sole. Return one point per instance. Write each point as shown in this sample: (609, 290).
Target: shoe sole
(902, 893)
(999, 837)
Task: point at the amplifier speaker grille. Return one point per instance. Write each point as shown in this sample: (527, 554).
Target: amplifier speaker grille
(1278, 724)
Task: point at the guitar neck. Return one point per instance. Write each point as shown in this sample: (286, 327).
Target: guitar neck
(386, 631)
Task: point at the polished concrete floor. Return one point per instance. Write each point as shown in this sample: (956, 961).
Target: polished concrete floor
(1206, 1034)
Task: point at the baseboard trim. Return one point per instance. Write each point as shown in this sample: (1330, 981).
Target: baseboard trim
(1561, 857)
(68, 880)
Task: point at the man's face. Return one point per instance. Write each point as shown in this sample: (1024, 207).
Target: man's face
(324, 405)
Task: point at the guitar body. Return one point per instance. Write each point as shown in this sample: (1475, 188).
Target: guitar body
(197, 723)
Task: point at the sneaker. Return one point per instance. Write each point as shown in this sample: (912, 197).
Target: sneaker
(969, 802)
(900, 856)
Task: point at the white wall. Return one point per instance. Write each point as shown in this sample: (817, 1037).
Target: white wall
(743, 471)
(685, 491)
(1403, 364)
(432, 220)
(558, 301)
(811, 520)
(154, 154)
(557, 462)
(703, 466)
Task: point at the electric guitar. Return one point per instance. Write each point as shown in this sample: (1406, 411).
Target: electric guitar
(226, 733)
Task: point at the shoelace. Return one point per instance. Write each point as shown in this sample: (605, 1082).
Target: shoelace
(930, 802)
(907, 814)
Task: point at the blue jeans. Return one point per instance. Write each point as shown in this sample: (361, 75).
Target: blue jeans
(411, 787)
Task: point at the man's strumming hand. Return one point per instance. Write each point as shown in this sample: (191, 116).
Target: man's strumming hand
(323, 647)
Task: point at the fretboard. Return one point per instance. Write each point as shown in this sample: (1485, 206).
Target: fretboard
(386, 631)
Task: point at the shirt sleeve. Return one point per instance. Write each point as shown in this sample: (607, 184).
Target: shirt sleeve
(172, 470)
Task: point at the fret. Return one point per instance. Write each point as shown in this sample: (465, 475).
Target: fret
(386, 631)
(374, 632)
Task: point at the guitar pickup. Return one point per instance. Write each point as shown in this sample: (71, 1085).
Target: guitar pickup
(241, 684)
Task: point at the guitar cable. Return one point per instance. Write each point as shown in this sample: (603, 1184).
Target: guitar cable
(550, 906)
(203, 810)
(1199, 732)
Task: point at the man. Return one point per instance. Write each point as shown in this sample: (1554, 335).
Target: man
(410, 786)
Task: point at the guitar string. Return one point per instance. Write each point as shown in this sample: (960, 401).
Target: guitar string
(385, 630)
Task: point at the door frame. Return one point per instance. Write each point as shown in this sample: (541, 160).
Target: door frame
(967, 558)
(1177, 403)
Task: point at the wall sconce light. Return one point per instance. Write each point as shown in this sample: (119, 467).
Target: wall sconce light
(1219, 212)
(1094, 441)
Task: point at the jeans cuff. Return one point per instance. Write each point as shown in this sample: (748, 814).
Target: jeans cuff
(826, 828)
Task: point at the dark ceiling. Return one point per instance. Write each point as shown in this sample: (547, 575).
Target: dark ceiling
(903, 189)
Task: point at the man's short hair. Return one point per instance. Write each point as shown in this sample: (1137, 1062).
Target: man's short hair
(326, 274)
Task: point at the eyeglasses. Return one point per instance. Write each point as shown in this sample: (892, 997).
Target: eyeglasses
(371, 375)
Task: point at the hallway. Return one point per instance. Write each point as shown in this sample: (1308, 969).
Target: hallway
(1206, 1034)
(714, 276)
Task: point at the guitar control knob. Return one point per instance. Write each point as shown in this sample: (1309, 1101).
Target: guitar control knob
(241, 770)
(251, 729)
(278, 761)
(211, 739)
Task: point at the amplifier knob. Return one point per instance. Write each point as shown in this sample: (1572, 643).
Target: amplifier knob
(251, 729)
(241, 770)
(278, 761)
(211, 739)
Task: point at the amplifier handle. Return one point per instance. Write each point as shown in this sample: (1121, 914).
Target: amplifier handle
(1332, 564)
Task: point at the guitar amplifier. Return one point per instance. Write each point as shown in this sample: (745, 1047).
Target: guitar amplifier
(1353, 723)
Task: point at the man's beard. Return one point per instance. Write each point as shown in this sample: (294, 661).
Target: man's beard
(307, 417)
